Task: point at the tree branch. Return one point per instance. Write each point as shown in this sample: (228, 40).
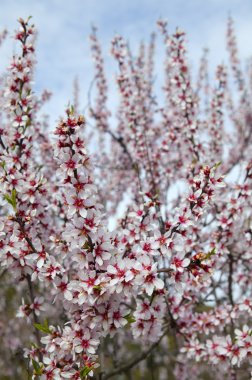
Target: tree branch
(134, 361)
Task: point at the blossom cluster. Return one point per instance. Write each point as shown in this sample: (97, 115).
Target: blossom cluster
(176, 262)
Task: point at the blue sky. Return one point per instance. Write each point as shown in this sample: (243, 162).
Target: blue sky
(63, 25)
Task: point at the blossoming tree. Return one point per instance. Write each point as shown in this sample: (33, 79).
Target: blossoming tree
(166, 292)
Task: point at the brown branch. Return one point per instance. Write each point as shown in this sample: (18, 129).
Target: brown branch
(2, 143)
(30, 285)
(35, 317)
(134, 361)
(230, 280)
(164, 270)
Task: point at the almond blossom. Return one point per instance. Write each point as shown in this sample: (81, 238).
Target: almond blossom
(126, 243)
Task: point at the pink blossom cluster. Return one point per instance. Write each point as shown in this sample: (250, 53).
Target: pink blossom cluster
(172, 277)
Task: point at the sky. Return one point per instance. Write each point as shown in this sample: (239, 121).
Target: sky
(63, 50)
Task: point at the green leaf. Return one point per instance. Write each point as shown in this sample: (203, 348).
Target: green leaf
(97, 287)
(12, 199)
(129, 318)
(71, 109)
(36, 365)
(8, 199)
(217, 165)
(210, 254)
(38, 369)
(44, 328)
(84, 372)
(2, 164)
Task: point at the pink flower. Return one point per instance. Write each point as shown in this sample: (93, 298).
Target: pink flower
(179, 262)
(85, 343)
